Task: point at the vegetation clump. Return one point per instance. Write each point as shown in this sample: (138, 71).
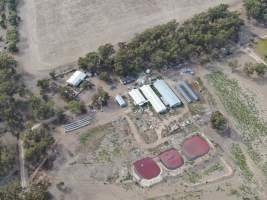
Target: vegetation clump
(36, 143)
(168, 44)
(218, 121)
(256, 9)
(240, 160)
(240, 105)
(259, 68)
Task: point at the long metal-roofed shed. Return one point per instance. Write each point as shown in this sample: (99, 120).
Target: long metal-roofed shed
(186, 91)
(120, 101)
(138, 98)
(76, 78)
(155, 101)
(167, 94)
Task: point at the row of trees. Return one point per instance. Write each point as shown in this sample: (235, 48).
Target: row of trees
(168, 44)
(10, 88)
(36, 143)
(9, 20)
(257, 9)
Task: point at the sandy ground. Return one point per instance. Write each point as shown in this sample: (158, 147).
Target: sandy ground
(56, 32)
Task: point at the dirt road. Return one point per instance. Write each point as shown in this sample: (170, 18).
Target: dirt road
(23, 170)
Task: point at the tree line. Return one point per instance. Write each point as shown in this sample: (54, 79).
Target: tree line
(202, 36)
(257, 9)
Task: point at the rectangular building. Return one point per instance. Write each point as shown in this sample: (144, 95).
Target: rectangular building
(167, 94)
(187, 92)
(120, 101)
(155, 101)
(138, 98)
(76, 78)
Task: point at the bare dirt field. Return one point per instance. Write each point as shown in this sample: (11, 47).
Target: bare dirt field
(56, 32)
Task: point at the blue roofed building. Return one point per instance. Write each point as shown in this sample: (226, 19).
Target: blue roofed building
(167, 95)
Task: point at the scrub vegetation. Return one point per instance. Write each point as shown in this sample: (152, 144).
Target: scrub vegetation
(240, 161)
(239, 105)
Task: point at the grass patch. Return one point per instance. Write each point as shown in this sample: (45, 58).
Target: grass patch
(193, 177)
(239, 105)
(86, 137)
(240, 161)
(196, 109)
(261, 48)
(213, 168)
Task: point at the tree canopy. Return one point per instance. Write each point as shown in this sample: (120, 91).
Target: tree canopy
(168, 44)
(257, 9)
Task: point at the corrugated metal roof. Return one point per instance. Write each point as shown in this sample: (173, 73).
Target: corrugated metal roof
(147, 168)
(120, 101)
(76, 78)
(167, 94)
(182, 92)
(137, 97)
(195, 147)
(155, 101)
(189, 89)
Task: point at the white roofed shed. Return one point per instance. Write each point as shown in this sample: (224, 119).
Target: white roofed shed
(120, 101)
(155, 101)
(137, 97)
(76, 78)
(167, 94)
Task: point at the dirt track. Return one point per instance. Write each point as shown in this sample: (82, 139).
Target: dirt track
(56, 32)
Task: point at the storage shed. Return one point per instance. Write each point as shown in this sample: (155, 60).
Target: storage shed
(187, 91)
(138, 98)
(120, 101)
(195, 147)
(76, 78)
(155, 101)
(167, 94)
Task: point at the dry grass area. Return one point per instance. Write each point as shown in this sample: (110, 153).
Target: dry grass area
(56, 32)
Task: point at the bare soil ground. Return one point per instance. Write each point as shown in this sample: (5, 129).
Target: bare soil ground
(56, 32)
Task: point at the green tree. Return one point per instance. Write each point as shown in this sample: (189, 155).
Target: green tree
(76, 107)
(36, 143)
(100, 98)
(43, 84)
(218, 121)
(104, 76)
(260, 69)
(256, 9)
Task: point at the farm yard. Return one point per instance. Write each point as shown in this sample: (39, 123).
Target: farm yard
(114, 100)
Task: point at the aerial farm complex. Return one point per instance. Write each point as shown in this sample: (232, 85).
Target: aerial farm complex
(133, 100)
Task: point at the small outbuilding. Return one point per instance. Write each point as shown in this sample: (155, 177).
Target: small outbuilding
(76, 78)
(137, 96)
(147, 172)
(120, 101)
(195, 147)
(171, 159)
